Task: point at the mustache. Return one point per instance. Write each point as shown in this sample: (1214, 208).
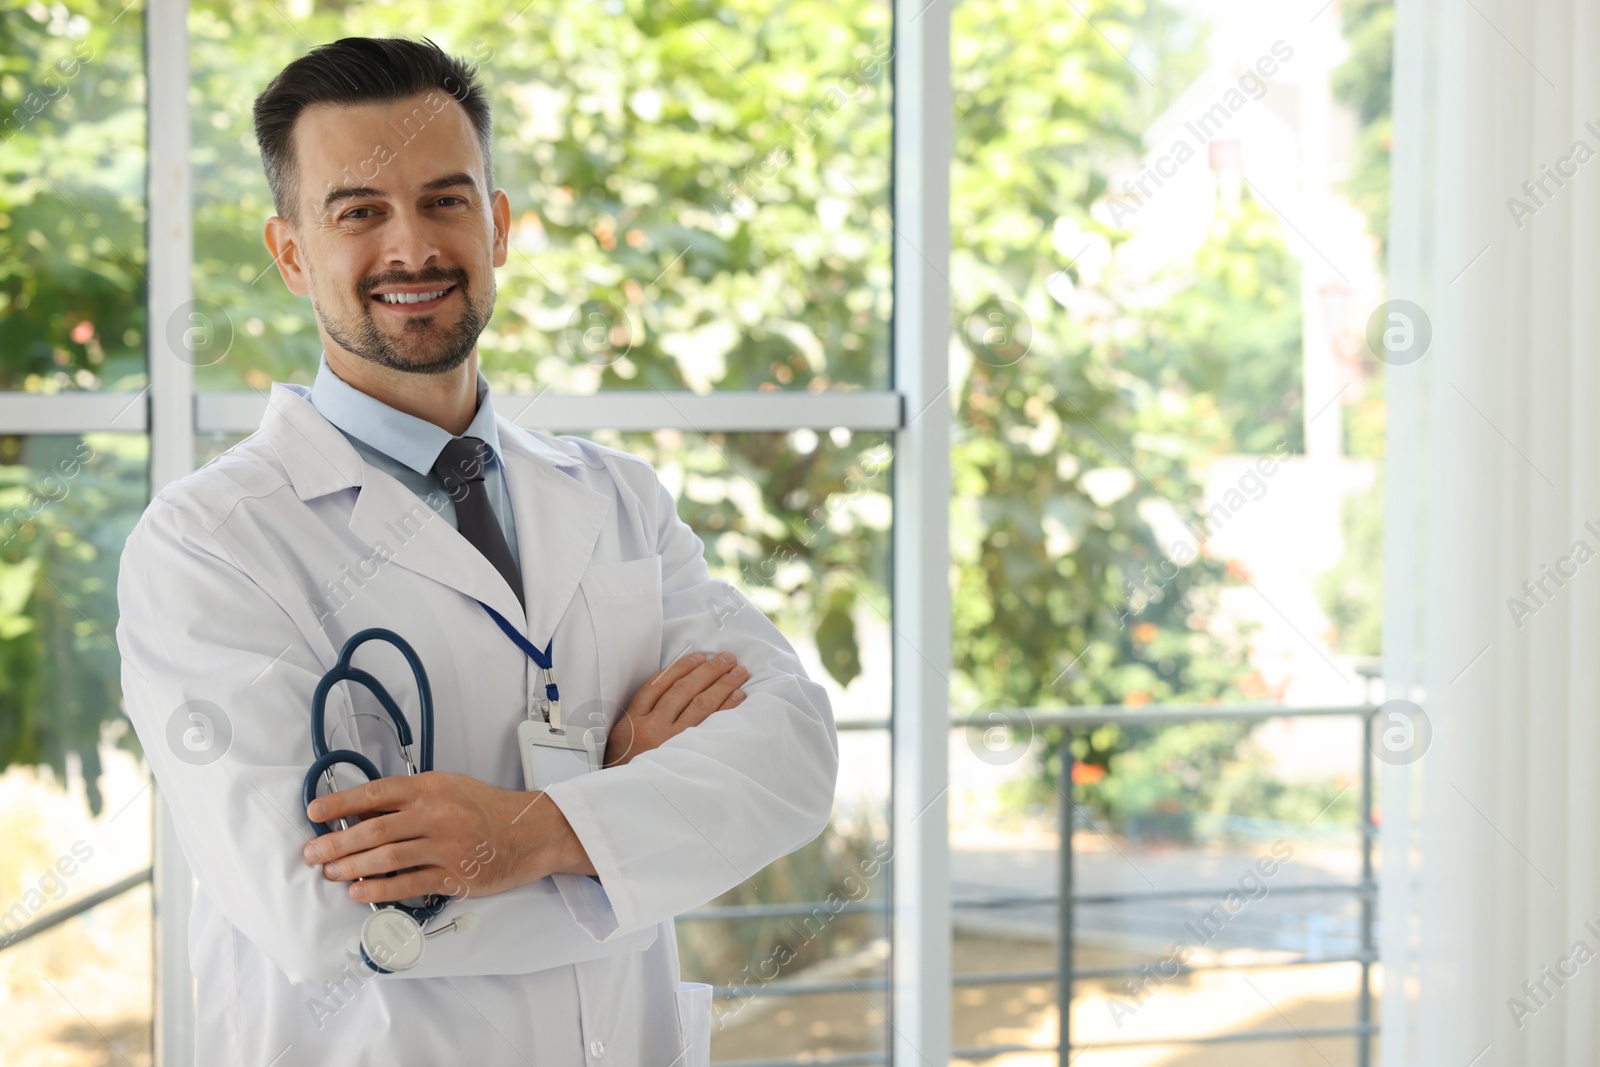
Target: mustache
(455, 276)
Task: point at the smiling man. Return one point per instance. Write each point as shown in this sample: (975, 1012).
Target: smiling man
(586, 766)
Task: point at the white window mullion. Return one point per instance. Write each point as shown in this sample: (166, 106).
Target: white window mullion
(723, 411)
(920, 880)
(171, 425)
(73, 413)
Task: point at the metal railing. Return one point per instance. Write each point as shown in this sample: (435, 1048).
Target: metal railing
(1065, 974)
(73, 910)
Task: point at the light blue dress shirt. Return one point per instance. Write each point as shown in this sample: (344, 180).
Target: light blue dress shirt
(407, 447)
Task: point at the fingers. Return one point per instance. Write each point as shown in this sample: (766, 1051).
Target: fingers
(363, 836)
(378, 861)
(385, 794)
(712, 698)
(644, 700)
(734, 699)
(691, 686)
(402, 886)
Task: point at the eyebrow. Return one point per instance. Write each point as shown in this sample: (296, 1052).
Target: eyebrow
(357, 192)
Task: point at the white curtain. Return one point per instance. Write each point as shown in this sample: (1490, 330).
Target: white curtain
(1491, 840)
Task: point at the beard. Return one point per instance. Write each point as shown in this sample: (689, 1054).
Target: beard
(422, 348)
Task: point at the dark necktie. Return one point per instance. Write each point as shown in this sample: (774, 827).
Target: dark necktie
(460, 466)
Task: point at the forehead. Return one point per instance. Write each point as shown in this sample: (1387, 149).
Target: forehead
(394, 146)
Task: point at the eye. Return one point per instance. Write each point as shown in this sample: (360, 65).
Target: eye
(351, 214)
(457, 199)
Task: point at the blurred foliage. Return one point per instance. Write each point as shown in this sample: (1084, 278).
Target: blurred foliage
(1084, 424)
(1230, 331)
(1175, 783)
(72, 197)
(1365, 82)
(1352, 592)
(1208, 781)
(797, 520)
(711, 180)
(67, 505)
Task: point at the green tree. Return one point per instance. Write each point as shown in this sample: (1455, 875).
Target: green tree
(714, 179)
(1231, 331)
(1070, 446)
(72, 316)
(1365, 82)
(72, 212)
(66, 507)
(1352, 592)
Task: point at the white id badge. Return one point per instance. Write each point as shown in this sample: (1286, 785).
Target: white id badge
(550, 756)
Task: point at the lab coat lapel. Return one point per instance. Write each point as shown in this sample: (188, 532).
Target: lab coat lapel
(558, 526)
(419, 540)
(387, 516)
(314, 454)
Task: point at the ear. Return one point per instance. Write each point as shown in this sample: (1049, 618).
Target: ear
(500, 205)
(283, 242)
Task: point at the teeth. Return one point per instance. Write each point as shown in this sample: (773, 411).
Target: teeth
(410, 298)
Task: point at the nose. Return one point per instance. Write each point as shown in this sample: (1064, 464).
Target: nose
(410, 243)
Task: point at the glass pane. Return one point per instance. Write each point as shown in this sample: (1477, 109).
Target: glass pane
(800, 522)
(1165, 468)
(74, 794)
(72, 197)
(699, 197)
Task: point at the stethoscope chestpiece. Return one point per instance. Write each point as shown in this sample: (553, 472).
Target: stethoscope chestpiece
(391, 940)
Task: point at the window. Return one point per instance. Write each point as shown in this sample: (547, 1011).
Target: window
(1082, 434)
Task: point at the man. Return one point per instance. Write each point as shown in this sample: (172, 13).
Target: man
(389, 494)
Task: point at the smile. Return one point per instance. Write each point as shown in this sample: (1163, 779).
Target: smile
(414, 301)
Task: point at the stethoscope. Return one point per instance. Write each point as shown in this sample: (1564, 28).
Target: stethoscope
(392, 936)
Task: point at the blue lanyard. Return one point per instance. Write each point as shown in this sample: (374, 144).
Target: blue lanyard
(541, 659)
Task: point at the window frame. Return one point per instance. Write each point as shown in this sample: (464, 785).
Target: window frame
(915, 410)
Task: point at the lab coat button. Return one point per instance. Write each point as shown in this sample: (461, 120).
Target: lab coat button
(597, 1048)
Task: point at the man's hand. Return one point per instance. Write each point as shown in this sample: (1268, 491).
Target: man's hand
(683, 695)
(449, 833)
(455, 835)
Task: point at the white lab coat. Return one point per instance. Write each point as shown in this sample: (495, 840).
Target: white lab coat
(224, 606)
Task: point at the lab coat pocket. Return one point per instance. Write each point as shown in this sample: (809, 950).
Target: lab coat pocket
(624, 601)
(623, 581)
(694, 1017)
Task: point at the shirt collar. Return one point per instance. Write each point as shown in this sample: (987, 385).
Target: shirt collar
(405, 438)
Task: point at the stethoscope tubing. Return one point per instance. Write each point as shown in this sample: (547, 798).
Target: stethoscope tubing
(327, 759)
(343, 670)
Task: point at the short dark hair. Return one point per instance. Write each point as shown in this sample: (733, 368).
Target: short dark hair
(360, 70)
